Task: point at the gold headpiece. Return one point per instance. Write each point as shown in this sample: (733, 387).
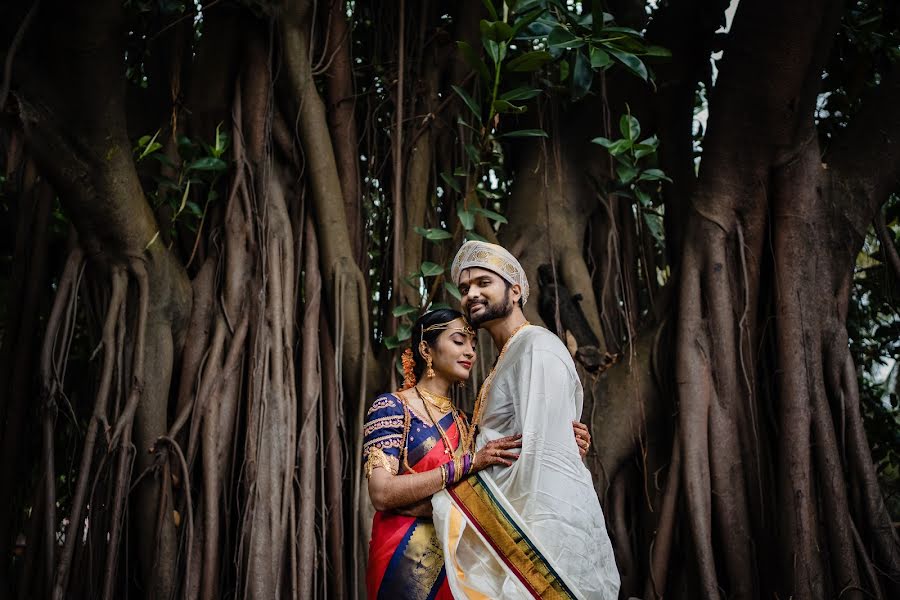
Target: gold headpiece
(465, 330)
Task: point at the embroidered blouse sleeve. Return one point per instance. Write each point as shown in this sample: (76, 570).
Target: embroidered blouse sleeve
(383, 435)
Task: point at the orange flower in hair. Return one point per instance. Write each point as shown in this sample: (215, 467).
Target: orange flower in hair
(409, 363)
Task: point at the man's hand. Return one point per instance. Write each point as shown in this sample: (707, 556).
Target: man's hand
(582, 437)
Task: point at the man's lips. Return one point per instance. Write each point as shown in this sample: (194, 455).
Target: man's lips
(476, 305)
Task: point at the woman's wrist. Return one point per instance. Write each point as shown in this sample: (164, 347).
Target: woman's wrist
(457, 469)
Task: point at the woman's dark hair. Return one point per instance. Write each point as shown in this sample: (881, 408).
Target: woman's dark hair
(433, 317)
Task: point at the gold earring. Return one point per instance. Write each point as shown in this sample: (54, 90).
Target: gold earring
(429, 372)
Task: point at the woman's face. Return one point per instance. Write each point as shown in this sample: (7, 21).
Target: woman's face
(453, 353)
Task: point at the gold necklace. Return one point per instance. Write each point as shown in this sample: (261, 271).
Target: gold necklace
(442, 403)
(479, 401)
(441, 432)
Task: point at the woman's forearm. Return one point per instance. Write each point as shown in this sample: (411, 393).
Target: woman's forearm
(389, 492)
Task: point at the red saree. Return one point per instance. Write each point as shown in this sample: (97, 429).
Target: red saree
(405, 557)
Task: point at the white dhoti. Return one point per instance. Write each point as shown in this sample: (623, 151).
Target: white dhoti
(536, 529)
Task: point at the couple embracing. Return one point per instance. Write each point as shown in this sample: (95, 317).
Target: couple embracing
(500, 506)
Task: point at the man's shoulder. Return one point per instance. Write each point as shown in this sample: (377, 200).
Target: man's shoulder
(539, 339)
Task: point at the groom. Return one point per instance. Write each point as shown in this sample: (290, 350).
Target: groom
(534, 529)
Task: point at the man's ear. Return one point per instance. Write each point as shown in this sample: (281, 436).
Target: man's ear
(516, 292)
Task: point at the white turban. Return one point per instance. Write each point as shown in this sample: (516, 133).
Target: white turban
(493, 258)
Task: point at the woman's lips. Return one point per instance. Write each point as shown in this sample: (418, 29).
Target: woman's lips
(465, 363)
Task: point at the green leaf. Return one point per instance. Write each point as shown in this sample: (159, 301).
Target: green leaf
(657, 51)
(404, 309)
(467, 218)
(625, 30)
(642, 150)
(654, 225)
(599, 58)
(494, 216)
(526, 19)
(433, 234)
(529, 62)
(625, 174)
(391, 342)
(195, 209)
(208, 163)
(404, 332)
(454, 185)
(473, 60)
(472, 153)
(631, 61)
(430, 269)
(221, 143)
(630, 127)
(148, 145)
(502, 31)
(520, 93)
(502, 106)
(496, 50)
(452, 290)
(563, 70)
(489, 5)
(642, 196)
(616, 147)
(473, 106)
(184, 198)
(520, 133)
(582, 76)
(560, 37)
(653, 175)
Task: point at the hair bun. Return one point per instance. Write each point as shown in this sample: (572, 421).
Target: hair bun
(409, 364)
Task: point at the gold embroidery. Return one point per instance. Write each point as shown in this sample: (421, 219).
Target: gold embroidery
(392, 440)
(377, 458)
(374, 425)
(382, 402)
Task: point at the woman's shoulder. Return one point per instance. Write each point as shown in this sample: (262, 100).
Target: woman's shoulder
(385, 404)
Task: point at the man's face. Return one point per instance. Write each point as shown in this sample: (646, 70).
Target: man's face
(485, 295)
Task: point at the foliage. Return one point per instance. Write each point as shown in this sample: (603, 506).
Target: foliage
(529, 49)
(634, 176)
(873, 324)
(188, 181)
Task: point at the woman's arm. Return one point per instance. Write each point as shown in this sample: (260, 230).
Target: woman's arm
(393, 492)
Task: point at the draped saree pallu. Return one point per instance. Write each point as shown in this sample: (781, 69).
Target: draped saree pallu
(475, 501)
(405, 557)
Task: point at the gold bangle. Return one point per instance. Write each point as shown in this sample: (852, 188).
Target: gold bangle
(443, 468)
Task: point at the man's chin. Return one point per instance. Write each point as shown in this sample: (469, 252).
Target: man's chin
(474, 316)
